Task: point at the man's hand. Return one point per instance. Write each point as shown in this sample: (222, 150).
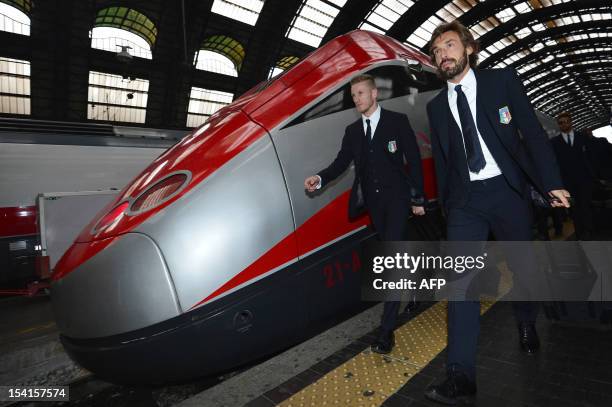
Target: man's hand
(418, 210)
(560, 198)
(311, 183)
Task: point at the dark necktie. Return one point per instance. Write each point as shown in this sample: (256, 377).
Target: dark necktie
(475, 158)
(368, 130)
(569, 140)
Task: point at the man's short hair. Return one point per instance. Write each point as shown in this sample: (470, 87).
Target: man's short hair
(363, 78)
(467, 39)
(564, 114)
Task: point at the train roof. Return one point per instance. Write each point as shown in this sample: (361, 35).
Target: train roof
(337, 60)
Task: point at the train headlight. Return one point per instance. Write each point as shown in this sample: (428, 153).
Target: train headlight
(158, 193)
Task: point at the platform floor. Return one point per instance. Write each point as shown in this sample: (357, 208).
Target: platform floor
(573, 367)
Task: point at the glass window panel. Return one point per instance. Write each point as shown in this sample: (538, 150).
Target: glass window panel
(522, 33)
(370, 27)
(127, 19)
(431, 24)
(464, 6)
(14, 86)
(386, 13)
(205, 102)
(417, 41)
(478, 30)
(506, 15)
(214, 62)
(312, 22)
(14, 20)
(112, 39)
(380, 21)
(115, 98)
(454, 10)
(524, 7)
(246, 11)
(445, 15)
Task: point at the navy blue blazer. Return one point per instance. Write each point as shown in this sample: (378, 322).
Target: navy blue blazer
(520, 146)
(576, 161)
(392, 126)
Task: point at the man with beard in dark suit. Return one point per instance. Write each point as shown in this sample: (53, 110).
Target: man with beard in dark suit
(483, 171)
(380, 142)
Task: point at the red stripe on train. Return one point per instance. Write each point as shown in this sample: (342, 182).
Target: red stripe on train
(326, 225)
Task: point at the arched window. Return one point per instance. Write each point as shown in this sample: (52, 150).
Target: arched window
(118, 28)
(282, 65)
(14, 16)
(220, 54)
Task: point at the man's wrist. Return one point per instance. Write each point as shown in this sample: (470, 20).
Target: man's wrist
(320, 181)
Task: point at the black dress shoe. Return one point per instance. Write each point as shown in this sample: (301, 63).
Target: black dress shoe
(528, 338)
(384, 344)
(457, 387)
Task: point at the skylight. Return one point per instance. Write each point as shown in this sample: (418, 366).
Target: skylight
(246, 11)
(313, 20)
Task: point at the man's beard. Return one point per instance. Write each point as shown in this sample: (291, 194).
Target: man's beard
(455, 70)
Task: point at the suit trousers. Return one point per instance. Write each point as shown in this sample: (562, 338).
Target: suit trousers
(390, 218)
(492, 206)
(581, 212)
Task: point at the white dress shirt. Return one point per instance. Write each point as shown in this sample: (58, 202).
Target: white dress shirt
(569, 135)
(469, 87)
(374, 119)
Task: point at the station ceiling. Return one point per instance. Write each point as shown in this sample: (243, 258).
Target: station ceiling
(561, 49)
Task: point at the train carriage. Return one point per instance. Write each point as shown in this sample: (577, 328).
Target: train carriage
(215, 255)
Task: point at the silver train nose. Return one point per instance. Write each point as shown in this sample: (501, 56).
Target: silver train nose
(126, 286)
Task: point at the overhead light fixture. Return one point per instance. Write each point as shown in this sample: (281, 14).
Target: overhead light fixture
(124, 55)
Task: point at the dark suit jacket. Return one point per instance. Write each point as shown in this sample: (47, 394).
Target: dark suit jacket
(392, 126)
(521, 147)
(576, 161)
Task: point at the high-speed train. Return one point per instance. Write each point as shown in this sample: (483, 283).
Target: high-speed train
(215, 255)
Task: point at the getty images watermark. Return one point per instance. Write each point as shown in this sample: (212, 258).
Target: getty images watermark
(419, 264)
(513, 271)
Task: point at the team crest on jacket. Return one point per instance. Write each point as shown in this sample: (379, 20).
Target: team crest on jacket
(504, 115)
(392, 146)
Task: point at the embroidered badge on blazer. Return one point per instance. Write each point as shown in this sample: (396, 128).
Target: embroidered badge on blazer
(392, 146)
(504, 115)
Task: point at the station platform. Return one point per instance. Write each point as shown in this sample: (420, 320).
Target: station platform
(573, 367)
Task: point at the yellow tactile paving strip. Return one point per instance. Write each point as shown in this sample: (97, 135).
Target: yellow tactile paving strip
(369, 379)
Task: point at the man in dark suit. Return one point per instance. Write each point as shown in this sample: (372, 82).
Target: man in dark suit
(483, 170)
(380, 142)
(573, 150)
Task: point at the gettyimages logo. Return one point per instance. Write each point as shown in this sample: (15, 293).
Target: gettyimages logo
(412, 264)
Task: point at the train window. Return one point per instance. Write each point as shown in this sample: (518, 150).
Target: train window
(333, 103)
(399, 80)
(336, 102)
(392, 81)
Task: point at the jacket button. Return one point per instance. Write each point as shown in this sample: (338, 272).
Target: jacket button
(377, 191)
